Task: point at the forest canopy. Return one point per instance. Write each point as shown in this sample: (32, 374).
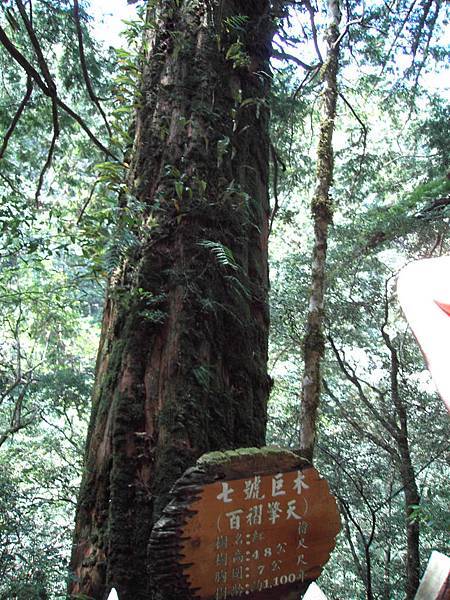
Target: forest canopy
(71, 223)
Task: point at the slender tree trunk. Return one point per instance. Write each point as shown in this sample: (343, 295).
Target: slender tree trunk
(387, 574)
(322, 212)
(364, 571)
(396, 426)
(387, 553)
(412, 498)
(408, 477)
(368, 559)
(181, 367)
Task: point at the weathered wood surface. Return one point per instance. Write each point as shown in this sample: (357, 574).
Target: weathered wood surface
(255, 524)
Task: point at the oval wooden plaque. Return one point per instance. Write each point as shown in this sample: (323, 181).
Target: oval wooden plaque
(254, 523)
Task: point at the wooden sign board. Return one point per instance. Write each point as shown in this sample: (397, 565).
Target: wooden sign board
(255, 524)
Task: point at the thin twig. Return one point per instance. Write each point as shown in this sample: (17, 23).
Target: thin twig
(402, 25)
(355, 114)
(309, 75)
(365, 132)
(51, 150)
(364, 431)
(86, 203)
(350, 374)
(311, 12)
(276, 160)
(418, 472)
(7, 180)
(17, 116)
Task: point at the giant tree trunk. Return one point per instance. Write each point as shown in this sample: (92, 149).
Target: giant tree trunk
(181, 368)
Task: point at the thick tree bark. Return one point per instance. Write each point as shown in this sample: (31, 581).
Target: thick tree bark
(181, 367)
(322, 212)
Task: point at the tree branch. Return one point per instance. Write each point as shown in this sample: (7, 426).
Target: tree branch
(402, 25)
(31, 71)
(84, 69)
(309, 74)
(366, 577)
(355, 114)
(276, 161)
(312, 20)
(361, 430)
(86, 129)
(86, 203)
(351, 376)
(22, 61)
(17, 116)
(419, 471)
(358, 21)
(11, 184)
(348, 535)
(282, 55)
(37, 49)
(365, 132)
(51, 150)
(8, 432)
(426, 50)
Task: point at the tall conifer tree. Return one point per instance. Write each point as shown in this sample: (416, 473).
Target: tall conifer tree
(181, 367)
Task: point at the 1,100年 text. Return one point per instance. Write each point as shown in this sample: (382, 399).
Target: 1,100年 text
(258, 586)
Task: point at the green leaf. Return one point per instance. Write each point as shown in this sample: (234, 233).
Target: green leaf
(222, 253)
(179, 187)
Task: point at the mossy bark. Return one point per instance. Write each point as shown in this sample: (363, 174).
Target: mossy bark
(322, 212)
(181, 367)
